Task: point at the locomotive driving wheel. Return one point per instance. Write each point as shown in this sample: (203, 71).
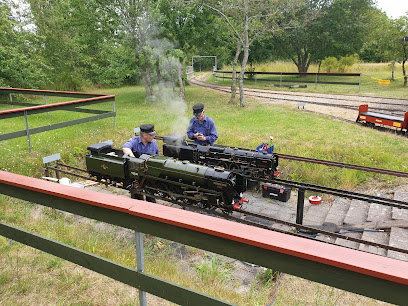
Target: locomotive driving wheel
(162, 189)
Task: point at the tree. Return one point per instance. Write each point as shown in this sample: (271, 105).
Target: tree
(326, 28)
(79, 40)
(247, 21)
(20, 63)
(193, 30)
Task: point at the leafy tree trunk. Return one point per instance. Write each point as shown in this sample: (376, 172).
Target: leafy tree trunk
(151, 96)
(180, 79)
(143, 74)
(303, 60)
(234, 74)
(246, 54)
(393, 67)
(159, 77)
(241, 76)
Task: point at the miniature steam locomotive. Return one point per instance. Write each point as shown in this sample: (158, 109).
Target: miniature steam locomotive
(167, 178)
(250, 164)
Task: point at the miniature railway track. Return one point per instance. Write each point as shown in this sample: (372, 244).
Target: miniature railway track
(262, 220)
(396, 107)
(327, 162)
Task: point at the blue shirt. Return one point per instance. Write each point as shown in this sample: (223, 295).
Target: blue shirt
(206, 127)
(136, 145)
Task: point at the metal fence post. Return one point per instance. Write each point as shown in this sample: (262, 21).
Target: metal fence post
(359, 84)
(300, 206)
(316, 81)
(280, 83)
(256, 77)
(11, 100)
(28, 131)
(114, 110)
(140, 264)
(48, 114)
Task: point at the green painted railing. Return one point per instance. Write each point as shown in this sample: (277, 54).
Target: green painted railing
(30, 109)
(367, 274)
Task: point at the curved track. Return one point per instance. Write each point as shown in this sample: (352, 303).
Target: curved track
(391, 106)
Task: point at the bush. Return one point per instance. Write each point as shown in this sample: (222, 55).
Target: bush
(346, 62)
(331, 64)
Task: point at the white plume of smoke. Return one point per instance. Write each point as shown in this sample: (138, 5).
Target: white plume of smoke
(168, 96)
(176, 108)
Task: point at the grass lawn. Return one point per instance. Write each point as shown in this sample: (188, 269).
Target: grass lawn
(295, 132)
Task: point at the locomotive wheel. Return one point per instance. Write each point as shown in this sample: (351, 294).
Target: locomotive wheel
(163, 190)
(233, 166)
(223, 165)
(174, 190)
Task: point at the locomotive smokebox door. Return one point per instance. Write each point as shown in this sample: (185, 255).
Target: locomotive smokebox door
(276, 192)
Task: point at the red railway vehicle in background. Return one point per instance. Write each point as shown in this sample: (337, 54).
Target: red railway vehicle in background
(373, 119)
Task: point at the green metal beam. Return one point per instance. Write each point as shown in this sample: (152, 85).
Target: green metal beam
(143, 281)
(103, 115)
(54, 108)
(74, 109)
(323, 273)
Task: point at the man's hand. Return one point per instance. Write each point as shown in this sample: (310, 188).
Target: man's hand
(201, 137)
(128, 151)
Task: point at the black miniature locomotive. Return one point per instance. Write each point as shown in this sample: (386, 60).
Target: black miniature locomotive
(167, 178)
(249, 163)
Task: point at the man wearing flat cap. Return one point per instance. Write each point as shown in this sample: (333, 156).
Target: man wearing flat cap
(201, 128)
(145, 143)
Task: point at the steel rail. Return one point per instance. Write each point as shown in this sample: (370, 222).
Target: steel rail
(309, 95)
(309, 231)
(258, 93)
(339, 192)
(56, 169)
(222, 214)
(324, 162)
(342, 165)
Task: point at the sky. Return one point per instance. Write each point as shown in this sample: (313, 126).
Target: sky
(393, 8)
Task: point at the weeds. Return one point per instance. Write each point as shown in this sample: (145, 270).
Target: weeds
(213, 271)
(268, 277)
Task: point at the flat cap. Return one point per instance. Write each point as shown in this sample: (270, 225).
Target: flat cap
(148, 128)
(198, 109)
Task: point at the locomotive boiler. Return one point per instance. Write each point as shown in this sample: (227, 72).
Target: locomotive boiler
(248, 163)
(167, 178)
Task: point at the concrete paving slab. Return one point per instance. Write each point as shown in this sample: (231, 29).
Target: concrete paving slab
(338, 211)
(398, 239)
(378, 212)
(378, 237)
(348, 243)
(399, 213)
(316, 214)
(357, 212)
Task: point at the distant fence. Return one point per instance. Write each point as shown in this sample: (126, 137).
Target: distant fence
(296, 77)
(30, 109)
